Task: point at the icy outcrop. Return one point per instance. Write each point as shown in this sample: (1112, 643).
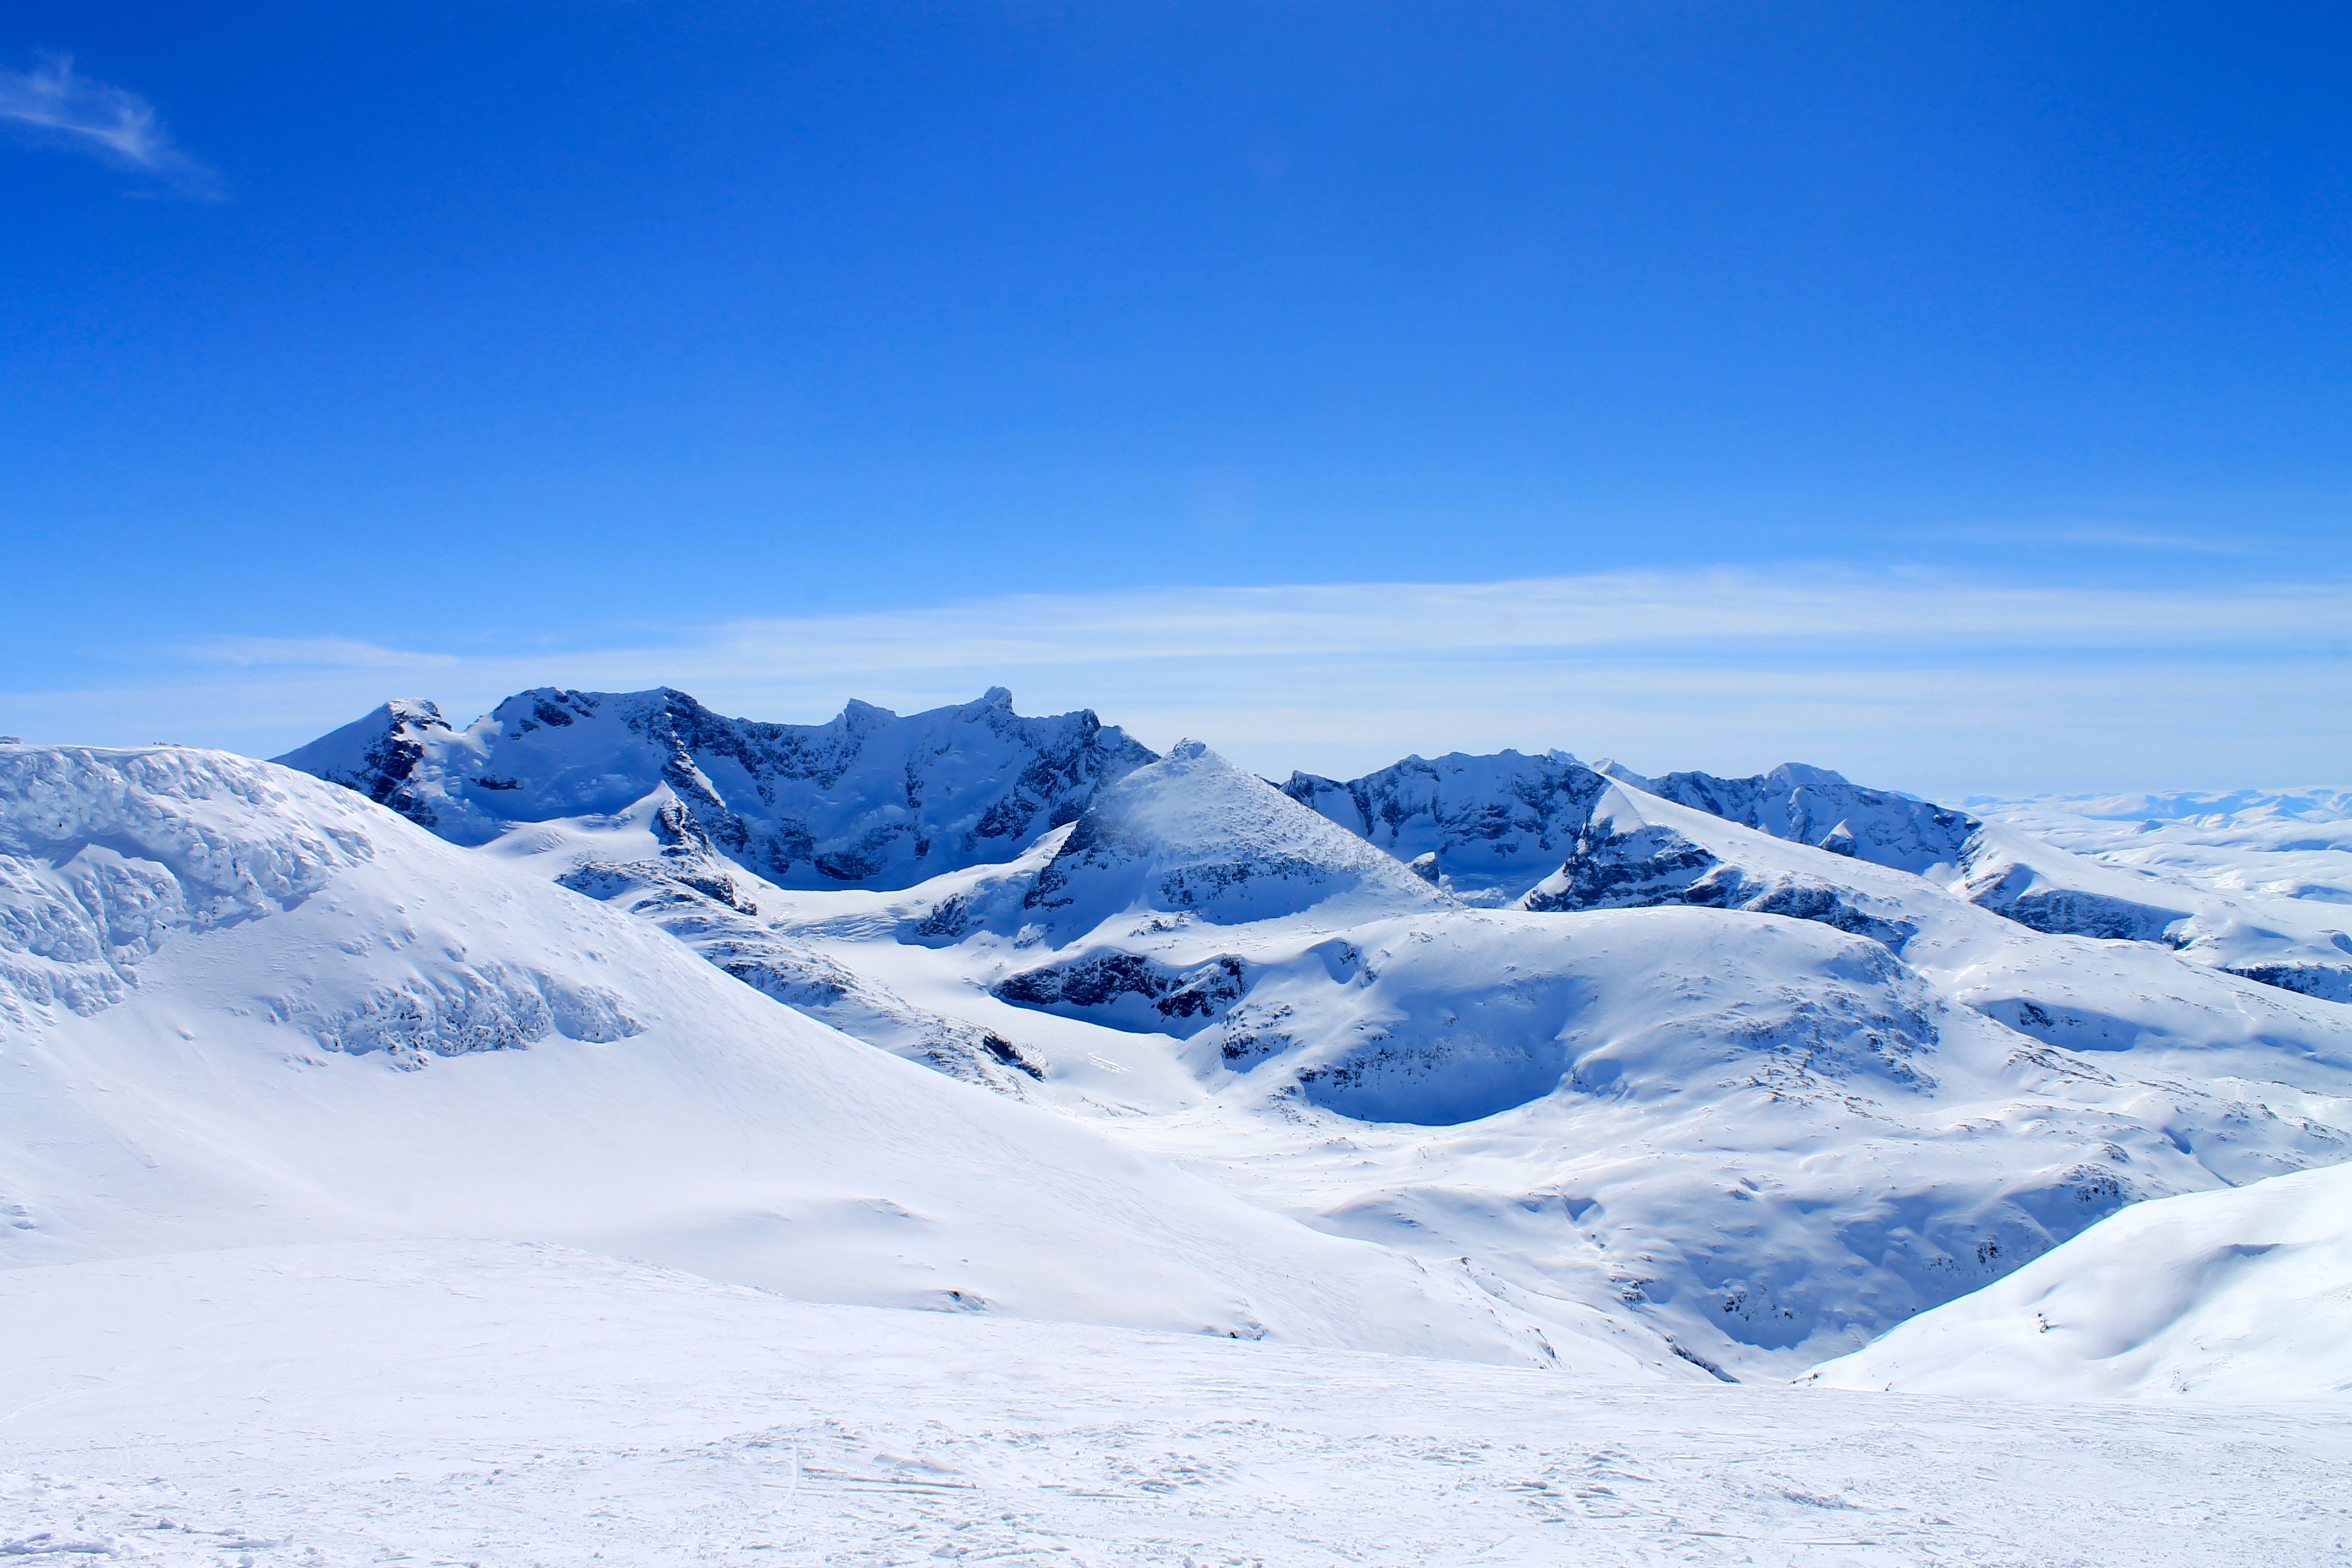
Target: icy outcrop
(2327, 982)
(482, 1007)
(106, 855)
(1126, 989)
(110, 859)
(870, 799)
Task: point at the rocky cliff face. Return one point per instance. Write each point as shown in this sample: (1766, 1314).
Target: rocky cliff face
(870, 799)
(1619, 861)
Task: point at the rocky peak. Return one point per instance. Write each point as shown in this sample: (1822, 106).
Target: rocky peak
(869, 798)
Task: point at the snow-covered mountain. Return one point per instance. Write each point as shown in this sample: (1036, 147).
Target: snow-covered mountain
(1725, 1075)
(2241, 1294)
(216, 970)
(1817, 806)
(870, 799)
(1486, 828)
(2278, 844)
(1543, 830)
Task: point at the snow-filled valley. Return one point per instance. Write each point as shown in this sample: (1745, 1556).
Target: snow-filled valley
(611, 1126)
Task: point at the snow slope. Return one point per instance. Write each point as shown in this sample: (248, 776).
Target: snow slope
(218, 971)
(2032, 879)
(2243, 1294)
(2083, 994)
(509, 1406)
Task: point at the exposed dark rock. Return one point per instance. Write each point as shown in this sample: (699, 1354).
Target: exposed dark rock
(1181, 1001)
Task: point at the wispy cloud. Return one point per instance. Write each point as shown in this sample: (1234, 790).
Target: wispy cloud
(55, 104)
(311, 653)
(1937, 683)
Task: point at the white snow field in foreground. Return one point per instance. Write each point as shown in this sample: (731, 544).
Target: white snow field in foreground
(2244, 1293)
(502, 1404)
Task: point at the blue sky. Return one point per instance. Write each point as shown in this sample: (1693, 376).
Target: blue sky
(418, 350)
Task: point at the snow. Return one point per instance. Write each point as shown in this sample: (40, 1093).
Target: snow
(508, 1405)
(1761, 1139)
(2243, 1295)
(2279, 844)
(577, 1075)
(1545, 1118)
(1193, 834)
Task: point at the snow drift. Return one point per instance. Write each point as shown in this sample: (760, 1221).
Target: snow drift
(2243, 1294)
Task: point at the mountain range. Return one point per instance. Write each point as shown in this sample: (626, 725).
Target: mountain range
(1511, 1058)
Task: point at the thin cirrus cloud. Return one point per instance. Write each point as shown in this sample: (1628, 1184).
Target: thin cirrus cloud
(1929, 682)
(56, 105)
(311, 653)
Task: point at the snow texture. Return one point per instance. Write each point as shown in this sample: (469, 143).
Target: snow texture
(509, 1405)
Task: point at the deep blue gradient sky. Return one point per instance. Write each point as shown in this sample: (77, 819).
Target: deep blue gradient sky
(498, 327)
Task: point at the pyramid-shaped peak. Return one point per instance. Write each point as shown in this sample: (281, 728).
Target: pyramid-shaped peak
(1194, 833)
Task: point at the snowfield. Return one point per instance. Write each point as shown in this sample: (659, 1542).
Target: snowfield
(510, 1405)
(1074, 1153)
